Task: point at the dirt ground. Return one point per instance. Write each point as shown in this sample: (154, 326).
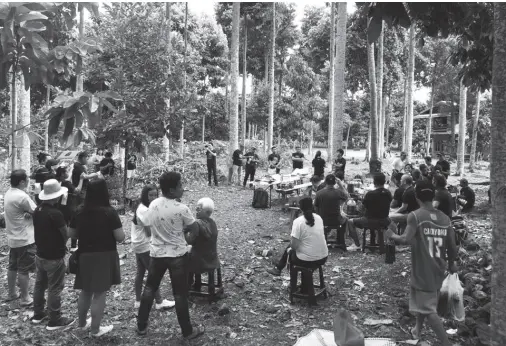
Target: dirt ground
(259, 310)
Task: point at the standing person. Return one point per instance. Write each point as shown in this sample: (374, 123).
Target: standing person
(398, 167)
(40, 173)
(442, 197)
(426, 173)
(432, 242)
(95, 159)
(131, 167)
(251, 166)
(466, 197)
(298, 158)
(51, 166)
(19, 207)
(274, 160)
(168, 220)
(141, 239)
(319, 164)
(339, 162)
(66, 206)
(107, 164)
(211, 163)
(50, 237)
(98, 228)
(237, 157)
(442, 165)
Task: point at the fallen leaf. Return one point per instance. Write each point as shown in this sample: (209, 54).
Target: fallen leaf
(372, 322)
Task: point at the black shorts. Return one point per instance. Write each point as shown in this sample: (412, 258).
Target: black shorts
(364, 222)
(22, 259)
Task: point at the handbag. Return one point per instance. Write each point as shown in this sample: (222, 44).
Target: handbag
(73, 266)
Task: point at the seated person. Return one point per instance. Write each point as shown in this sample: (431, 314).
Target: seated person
(409, 202)
(426, 173)
(408, 169)
(399, 192)
(416, 174)
(377, 206)
(313, 189)
(204, 253)
(308, 247)
(466, 197)
(442, 199)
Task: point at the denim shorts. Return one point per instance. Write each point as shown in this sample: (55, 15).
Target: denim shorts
(22, 259)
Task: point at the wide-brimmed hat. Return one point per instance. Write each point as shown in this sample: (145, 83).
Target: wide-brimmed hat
(52, 190)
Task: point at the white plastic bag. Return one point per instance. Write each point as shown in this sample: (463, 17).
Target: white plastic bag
(451, 299)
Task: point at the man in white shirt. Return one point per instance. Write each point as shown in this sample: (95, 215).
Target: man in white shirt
(398, 167)
(168, 220)
(19, 208)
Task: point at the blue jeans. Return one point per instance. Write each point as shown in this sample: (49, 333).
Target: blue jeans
(51, 276)
(178, 271)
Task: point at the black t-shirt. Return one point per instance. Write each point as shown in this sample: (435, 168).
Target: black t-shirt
(296, 164)
(319, 165)
(236, 157)
(107, 161)
(409, 198)
(328, 204)
(444, 198)
(469, 194)
(252, 160)
(70, 206)
(444, 166)
(398, 193)
(95, 229)
(41, 174)
(211, 159)
(131, 162)
(377, 203)
(341, 161)
(47, 221)
(275, 158)
(76, 174)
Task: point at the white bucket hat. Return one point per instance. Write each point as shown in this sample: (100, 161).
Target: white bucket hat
(52, 190)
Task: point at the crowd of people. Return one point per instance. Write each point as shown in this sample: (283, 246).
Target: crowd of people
(166, 236)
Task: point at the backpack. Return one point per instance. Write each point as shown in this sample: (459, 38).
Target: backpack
(260, 199)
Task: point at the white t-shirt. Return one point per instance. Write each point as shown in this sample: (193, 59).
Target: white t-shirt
(399, 164)
(313, 245)
(19, 229)
(167, 218)
(139, 238)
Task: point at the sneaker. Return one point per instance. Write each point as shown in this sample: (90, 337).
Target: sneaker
(37, 319)
(353, 248)
(165, 304)
(197, 331)
(274, 271)
(61, 323)
(87, 325)
(102, 331)
(137, 305)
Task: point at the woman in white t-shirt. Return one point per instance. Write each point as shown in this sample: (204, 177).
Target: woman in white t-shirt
(308, 247)
(141, 241)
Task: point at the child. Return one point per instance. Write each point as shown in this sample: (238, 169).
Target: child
(204, 253)
(141, 238)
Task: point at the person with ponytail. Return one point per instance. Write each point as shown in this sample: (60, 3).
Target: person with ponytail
(308, 247)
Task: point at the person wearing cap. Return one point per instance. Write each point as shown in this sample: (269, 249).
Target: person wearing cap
(19, 208)
(297, 158)
(398, 167)
(50, 229)
(251, 166)
(274, 160)
(442, 165)
(466, 197)
(432, 241)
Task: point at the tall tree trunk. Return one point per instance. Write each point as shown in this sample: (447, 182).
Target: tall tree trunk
(405, 112)
(244, 78)
(23, 124)
(234, 101)
(476, 118)
(340, 66)
(331, 148)
(166, 137)
(348, 138)
(181, 137)
(374, 115)
(453, 123)
(14, 119)
(379, 81)
(386, 109)
(79, 63)
(498, 178)
(461, 149)
(429, 121)
(411, 82)
(270, 131)
(46, 123)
